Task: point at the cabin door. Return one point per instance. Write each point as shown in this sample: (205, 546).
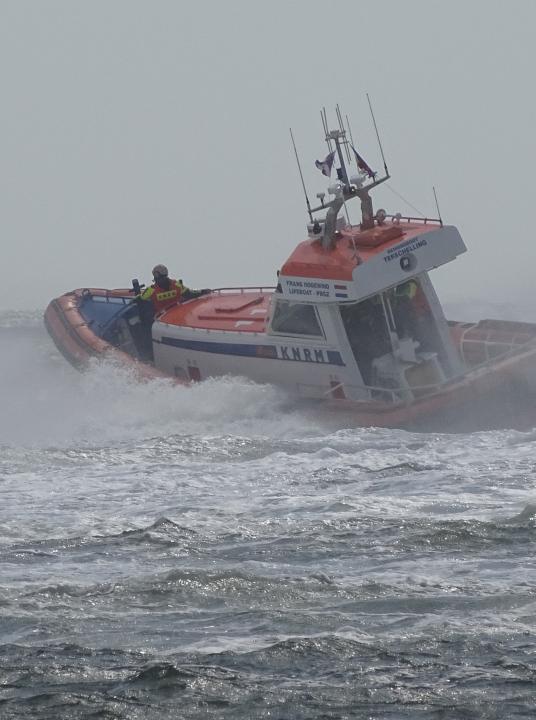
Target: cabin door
(368, 332)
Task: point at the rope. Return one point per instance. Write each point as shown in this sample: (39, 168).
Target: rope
(404, 200)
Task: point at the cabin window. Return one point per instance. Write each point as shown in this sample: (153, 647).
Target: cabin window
(413, 316)
(108, 299)
(368, 333)
(295, 319)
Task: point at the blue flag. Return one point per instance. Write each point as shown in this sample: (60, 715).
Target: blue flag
(325, 165)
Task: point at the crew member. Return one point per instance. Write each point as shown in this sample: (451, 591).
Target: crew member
(412, 313)
(165, 292)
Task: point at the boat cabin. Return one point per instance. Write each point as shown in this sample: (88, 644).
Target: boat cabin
(369, 293)
(354, 313)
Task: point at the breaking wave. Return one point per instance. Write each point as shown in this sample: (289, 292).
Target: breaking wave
(46, 402)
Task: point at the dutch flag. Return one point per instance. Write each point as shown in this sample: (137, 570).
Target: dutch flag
(362, 165)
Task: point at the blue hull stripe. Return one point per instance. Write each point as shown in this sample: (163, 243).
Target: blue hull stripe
(268, 352)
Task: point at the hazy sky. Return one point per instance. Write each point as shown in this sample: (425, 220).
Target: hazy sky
(137, 132)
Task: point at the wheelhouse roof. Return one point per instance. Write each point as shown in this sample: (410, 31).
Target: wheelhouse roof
(352, 246)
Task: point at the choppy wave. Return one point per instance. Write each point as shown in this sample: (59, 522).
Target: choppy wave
(214, 551)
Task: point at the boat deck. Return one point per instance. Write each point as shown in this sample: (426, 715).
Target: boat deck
(243, 309)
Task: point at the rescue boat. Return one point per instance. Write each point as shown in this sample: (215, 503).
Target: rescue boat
(353, 323)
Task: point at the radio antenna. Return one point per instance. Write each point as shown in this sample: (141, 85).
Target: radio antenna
(325, 126)
(349, 130)
(343, 134)
(377, 135)
(437, 206)
(301, 176)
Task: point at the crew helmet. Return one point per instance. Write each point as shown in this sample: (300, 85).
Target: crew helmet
(160, 270)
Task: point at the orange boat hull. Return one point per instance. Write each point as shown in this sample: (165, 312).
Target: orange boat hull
(77, 342)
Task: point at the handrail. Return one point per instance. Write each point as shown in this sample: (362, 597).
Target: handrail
(395, 219)
(250, 288)
(370, 389)
(486, 342)
(107, 294)
(431, 386)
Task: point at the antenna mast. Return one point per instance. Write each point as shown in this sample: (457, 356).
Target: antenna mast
(437, 206)
(343, 134)
(301, 176)
(349, 130)
(377, 135)
(338, 137)
(325, 125)
(347, 190)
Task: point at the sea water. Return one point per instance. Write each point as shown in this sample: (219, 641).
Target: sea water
(215, 551)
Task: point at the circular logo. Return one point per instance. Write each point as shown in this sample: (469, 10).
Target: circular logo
(408, 262)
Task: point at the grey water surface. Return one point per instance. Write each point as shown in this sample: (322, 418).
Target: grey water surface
(215, 552)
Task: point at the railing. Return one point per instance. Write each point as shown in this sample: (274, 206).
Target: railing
(242, 290)
(108, 295)
(487, 343)
(393, 394)
(396, 394)
(396, 219)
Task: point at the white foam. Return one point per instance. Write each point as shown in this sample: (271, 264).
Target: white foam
(46, 402)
